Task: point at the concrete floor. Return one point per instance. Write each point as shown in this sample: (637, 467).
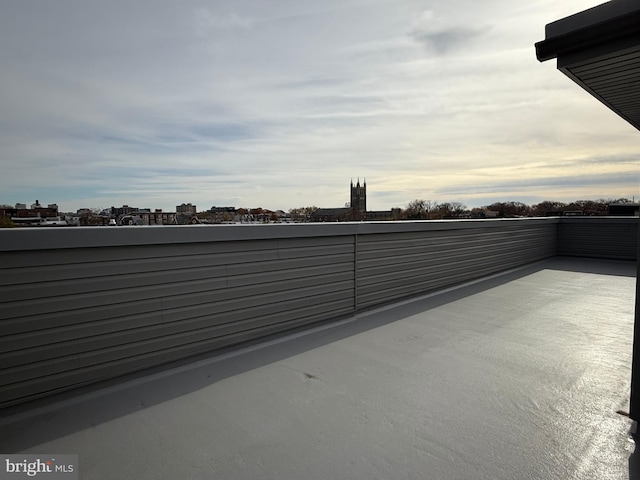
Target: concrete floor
(516, 376)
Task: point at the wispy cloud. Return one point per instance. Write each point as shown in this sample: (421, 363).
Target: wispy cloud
(442, 35)
(207, 21)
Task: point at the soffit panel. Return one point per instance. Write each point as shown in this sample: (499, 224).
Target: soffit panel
(613, 78)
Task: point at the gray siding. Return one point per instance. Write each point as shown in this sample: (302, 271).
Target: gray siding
(611, 237)
(396, 265)
(81, 305)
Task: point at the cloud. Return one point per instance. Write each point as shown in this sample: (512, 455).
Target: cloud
(628, 159)
(438, 35)
(544, 184)
(209, 22)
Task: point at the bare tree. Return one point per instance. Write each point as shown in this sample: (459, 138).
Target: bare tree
(547, 207)
(415, 209)
(510, 209)
(452, 210)
(420, 209)
(302, 213)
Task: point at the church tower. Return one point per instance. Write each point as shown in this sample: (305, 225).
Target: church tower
(359, 200)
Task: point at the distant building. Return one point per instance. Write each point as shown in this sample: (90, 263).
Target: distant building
(157, 217)
(86, 217)
(624, 209)
(384, 215)
(37, 214)
(36, 210)
(186, 209)
(222, 214)
(124, 210)
(359, 200)
(282, 216)
(127, 215)
(332, 215)
(356, 211)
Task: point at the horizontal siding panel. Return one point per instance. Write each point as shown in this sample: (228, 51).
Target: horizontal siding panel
(411, 265)
(387, 292)
(215, 312)
(440, 266)
(483, 246)
(174, 279)
(605, 239)
(332, 250)
(247, 279)
(470, 269)
(293, 262)
(101, 349)
(109, 297)
(141, 253)
(167, 304)
(402, 260)
(120, 267)
(445, 240)
(97, 285)
(76, 257)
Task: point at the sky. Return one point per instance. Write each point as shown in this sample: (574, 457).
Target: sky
(280, 104)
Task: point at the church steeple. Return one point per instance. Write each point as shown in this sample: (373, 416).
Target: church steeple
(359, 199)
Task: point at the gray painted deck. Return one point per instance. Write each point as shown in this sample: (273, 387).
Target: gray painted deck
(518, 375)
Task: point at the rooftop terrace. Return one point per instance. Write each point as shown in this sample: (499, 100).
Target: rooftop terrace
(515, 375)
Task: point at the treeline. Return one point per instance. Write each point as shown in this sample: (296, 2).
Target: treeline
(429, 210)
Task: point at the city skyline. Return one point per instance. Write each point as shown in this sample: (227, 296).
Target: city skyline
(280, 104)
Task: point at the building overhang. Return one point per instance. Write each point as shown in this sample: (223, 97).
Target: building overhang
(599, 49)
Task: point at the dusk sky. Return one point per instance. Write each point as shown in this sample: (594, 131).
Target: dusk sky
(279, 104)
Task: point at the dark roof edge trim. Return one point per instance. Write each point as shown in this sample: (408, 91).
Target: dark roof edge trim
(587, 37)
